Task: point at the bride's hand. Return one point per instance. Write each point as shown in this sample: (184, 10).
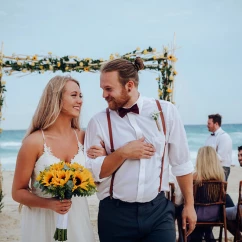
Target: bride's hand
(96, 151)
(60, 206)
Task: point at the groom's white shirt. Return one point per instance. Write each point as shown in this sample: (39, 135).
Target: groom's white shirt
(138, 180)
(222, 143)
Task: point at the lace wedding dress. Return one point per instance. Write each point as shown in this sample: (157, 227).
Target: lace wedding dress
(39, 224)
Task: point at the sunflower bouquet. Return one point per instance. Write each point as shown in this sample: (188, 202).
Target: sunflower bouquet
(63, 180)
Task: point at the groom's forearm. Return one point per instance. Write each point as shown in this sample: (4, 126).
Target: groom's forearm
(112, 162)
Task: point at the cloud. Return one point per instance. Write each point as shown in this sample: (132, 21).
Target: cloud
(2, 13)
(175, 14)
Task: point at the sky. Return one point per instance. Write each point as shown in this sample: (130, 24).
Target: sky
(208, 36)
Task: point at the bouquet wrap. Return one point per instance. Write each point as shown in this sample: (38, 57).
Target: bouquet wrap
(61, 227)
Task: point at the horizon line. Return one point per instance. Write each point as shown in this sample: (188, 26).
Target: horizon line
(86, 127)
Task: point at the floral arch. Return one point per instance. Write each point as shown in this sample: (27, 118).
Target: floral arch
(162, 62)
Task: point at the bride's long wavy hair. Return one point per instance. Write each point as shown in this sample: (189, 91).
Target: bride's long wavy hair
(50, 105)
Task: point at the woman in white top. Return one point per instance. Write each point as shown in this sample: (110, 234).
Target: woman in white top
(54, 135)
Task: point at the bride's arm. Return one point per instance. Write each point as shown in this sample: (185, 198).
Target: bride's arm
(28, 154)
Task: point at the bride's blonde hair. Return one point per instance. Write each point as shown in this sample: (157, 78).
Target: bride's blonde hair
(50, 105)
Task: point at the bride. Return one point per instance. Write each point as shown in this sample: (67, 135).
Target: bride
(54, 135)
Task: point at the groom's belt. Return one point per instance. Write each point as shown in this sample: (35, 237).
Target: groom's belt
(119, 202)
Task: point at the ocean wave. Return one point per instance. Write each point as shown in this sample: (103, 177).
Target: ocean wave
(193, 157)
(8, 163)
(10, 144)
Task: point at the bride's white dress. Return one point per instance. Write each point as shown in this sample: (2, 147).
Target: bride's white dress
(39, 224)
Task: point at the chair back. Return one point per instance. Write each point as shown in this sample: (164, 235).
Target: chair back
(209, 203)
(239, 209)
(207, 193)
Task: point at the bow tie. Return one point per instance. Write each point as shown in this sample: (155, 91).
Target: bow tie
(212, 134)
(123, 111)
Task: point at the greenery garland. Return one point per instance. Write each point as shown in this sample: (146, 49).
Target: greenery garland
(162, 62)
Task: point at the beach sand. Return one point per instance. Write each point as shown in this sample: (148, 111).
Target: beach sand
(10, 217)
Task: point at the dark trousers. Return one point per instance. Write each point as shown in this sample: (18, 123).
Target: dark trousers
(226, 172)
(136, 222)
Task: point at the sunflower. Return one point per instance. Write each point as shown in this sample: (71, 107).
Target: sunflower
(57, 166)
(76, 166)
(48, 177)
(169, 90)
(111, 57)
(174, 59)
(86, 68)
(40, 176)
(77, 180)
(34, 57)
(92, 182)
(170, 57)
(159, 93)
(171, 77)
(63, 177)
(84, 185)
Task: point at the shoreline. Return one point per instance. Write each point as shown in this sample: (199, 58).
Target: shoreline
(10, 217)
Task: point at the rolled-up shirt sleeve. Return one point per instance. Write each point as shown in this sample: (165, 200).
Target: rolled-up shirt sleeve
(93, 136)
(179, 156)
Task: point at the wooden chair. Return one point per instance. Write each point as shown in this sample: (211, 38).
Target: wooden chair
(239, 212)
(211, 194)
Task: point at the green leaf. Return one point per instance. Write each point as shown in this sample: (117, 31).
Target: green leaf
(70, 184)
(36, 184)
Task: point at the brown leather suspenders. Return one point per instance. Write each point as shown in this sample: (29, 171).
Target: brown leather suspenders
(164, 130)
(112, 146)
(112, 150)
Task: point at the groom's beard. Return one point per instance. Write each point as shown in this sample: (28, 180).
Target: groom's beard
(118, 102)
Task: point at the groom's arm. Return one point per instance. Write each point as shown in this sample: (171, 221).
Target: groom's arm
(93, 136)
(104, 166)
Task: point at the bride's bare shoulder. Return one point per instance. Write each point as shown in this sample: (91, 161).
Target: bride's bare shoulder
(35, 138)
(33, 144)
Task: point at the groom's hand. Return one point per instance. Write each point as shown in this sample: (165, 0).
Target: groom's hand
(133, 150)
(138, 149)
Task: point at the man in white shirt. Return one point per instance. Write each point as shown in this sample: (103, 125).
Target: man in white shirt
(220, 141)
(240, 155)
(132, 203)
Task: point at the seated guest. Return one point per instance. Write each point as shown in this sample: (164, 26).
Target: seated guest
(208, 167)
(232, 211)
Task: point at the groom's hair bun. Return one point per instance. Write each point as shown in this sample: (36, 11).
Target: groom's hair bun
(139, 64)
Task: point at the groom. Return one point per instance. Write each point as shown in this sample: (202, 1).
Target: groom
(133, 176)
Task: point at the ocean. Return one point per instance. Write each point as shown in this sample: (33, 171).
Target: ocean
(10, 142)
